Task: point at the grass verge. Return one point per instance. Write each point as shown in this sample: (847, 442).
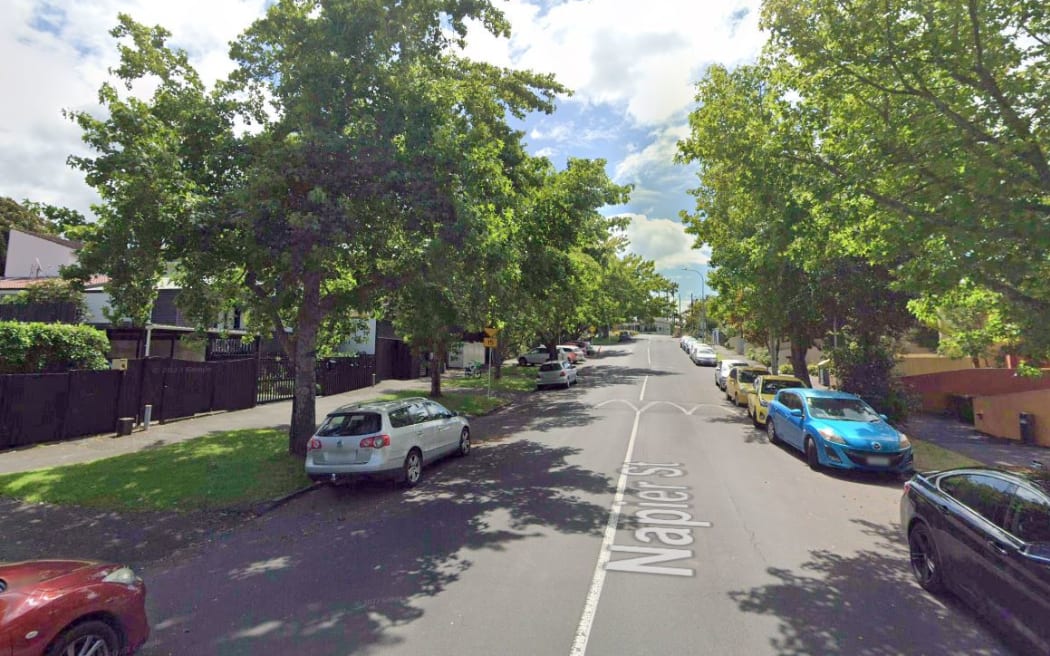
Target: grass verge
(930, 457)
(467, 403)
(514, 378)
(220, 470)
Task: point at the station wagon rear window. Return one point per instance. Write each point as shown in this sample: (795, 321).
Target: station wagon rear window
(550, 366)
(346, 425)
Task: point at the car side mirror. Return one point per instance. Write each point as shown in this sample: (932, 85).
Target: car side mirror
(795, 412)
(884, 417)
(453, 413)
(1039, 552)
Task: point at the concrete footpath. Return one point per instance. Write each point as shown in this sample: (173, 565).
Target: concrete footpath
(88, 449)
(964, 439)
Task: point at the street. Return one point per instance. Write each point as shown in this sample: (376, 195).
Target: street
(637, 513)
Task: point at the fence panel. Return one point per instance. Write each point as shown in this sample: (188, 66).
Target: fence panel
(93, 400)
(275, 382)
(394, 360)
(235, 384)
(188, 389)
(32, 408)
(338, 375)
(130, 402)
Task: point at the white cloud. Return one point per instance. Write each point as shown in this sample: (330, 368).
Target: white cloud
(659, 153)
(665, 242)
(645, 57)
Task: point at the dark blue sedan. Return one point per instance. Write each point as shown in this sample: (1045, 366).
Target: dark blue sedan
(838, 430)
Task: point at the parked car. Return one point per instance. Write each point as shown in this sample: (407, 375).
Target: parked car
(560, 374)
(576, 353)
(741, 381)
(723, 368)
(703, 355)
(839, 430)
(984, 534)
(538, 355)
(585, 346)
(625, 336)
(385, 439)
(71, 607)
(762, 392)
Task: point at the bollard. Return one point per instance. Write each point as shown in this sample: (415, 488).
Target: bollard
(373, 380)
(147, 414)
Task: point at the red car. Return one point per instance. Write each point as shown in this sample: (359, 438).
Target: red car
(71, 607)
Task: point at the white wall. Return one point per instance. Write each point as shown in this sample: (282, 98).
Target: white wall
(465, 352)
(363, 342)
(25, 252)
(95, 301)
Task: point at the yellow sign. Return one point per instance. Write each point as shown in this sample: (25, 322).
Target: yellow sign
(489, 342)
(491, 331)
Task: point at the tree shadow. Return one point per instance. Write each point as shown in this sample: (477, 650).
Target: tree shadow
(837, 604)
(332, 572)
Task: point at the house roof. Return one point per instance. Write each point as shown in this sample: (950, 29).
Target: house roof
(25, 283)
(76, 245)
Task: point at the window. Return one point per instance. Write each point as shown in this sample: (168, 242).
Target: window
(988, 496)
(400, 418)
(842, 409)
(791, 401)
(351, 424)
(748, 376)
(438, 411)
(774, 386)
(1030, 517)
(418, 412)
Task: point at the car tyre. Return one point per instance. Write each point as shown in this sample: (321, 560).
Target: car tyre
(522, 362)
(464, 442)
(812, 457)
(771, 430)
(925, 559)
(413, 468)
(568, 383)
(92, 637)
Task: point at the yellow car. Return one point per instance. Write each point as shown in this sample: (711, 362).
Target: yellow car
(740, 380)
(762, 392)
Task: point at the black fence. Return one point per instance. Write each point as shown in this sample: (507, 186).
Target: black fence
(38, 408)
(57, 312)
(338, 375)
(276, 381)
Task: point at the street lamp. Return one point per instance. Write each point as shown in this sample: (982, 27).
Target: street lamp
(703, 301)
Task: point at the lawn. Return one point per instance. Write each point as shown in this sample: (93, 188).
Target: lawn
(220, 470)
(930, 457)
(514, 379)
(468, 402)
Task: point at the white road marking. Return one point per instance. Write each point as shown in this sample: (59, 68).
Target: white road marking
(590, 607)
(644, 383)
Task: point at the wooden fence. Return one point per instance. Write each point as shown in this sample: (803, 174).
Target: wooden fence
(38, 408)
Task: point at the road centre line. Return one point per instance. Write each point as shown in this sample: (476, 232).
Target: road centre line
(590, 607)
(644, 383)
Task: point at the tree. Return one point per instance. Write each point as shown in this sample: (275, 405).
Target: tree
(333, 199)
(930, 113)
(969, 321)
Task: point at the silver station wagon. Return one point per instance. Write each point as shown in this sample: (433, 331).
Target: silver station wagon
(392, 439)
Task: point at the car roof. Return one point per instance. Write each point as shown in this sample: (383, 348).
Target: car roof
(1037, 478)
(375, 406)
(783, 377)
(823, 393)
(752, 367)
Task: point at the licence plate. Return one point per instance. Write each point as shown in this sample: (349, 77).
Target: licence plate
(878, 461)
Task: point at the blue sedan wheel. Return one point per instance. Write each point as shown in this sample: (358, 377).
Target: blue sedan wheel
(771, 430)
(811, 454)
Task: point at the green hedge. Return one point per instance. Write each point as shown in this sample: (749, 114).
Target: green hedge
(27, 348)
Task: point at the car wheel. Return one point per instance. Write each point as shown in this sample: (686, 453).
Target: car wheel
(771, 430)
(568, 383)
(754, 420)
(522, 362)
(413, 468)
(464, 442)
(93, 637)
(812, 458)
(925, 560)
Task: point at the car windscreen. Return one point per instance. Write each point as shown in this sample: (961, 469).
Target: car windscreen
(774, 386)
(747, 376)
(841, 409)
(345, 425)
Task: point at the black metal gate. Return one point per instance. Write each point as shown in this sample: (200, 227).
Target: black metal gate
(276, 380)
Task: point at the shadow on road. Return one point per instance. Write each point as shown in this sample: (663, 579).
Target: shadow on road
(334, 571)
(839, 604)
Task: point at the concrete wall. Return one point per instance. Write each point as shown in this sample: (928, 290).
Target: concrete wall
(999, 414)
(918, 364)
(464, 353)
(936, 388)
(33, 257)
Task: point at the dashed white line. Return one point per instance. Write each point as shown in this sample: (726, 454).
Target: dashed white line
(645, 382)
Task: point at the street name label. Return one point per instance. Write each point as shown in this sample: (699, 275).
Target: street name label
(664, 516)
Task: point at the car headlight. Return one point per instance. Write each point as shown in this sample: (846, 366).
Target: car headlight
(764, 403)
(905, 442)
(831, 436)
(123, 575)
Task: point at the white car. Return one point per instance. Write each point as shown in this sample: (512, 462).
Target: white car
(580, 354)
(704, 355)
(385, 439)
(556, 374)
(538, 355)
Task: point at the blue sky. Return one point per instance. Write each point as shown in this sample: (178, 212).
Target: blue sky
(632, 67)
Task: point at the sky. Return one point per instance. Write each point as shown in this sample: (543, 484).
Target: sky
(632, 67)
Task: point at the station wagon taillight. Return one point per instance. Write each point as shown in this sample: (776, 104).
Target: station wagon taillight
(377, 442)
(313, 444)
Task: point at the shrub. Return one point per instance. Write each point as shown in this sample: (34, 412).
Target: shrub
(786, 369)
(759, 353)
(866, 369)
(41, 347)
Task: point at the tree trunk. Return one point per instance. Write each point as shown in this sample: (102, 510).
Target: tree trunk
(799, 347)
(773, 344)
(438, 358)
(304, 419)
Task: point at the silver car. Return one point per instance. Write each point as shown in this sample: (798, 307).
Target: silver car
(559, 373)
(704, 355)
(391, 439)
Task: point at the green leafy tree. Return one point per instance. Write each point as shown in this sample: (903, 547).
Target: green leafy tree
(969, 320)
(28, 348)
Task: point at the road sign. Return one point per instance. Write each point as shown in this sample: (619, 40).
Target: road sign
(489, 342)
(491, 331)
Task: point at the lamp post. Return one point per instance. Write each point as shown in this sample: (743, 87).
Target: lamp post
(703, 301)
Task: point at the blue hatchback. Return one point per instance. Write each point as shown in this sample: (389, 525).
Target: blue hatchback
(836, 429)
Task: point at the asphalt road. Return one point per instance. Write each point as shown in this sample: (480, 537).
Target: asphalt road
(541, 542)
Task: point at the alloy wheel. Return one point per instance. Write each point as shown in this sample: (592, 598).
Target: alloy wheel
(413, 468)
(925, 563)
(464, 442)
